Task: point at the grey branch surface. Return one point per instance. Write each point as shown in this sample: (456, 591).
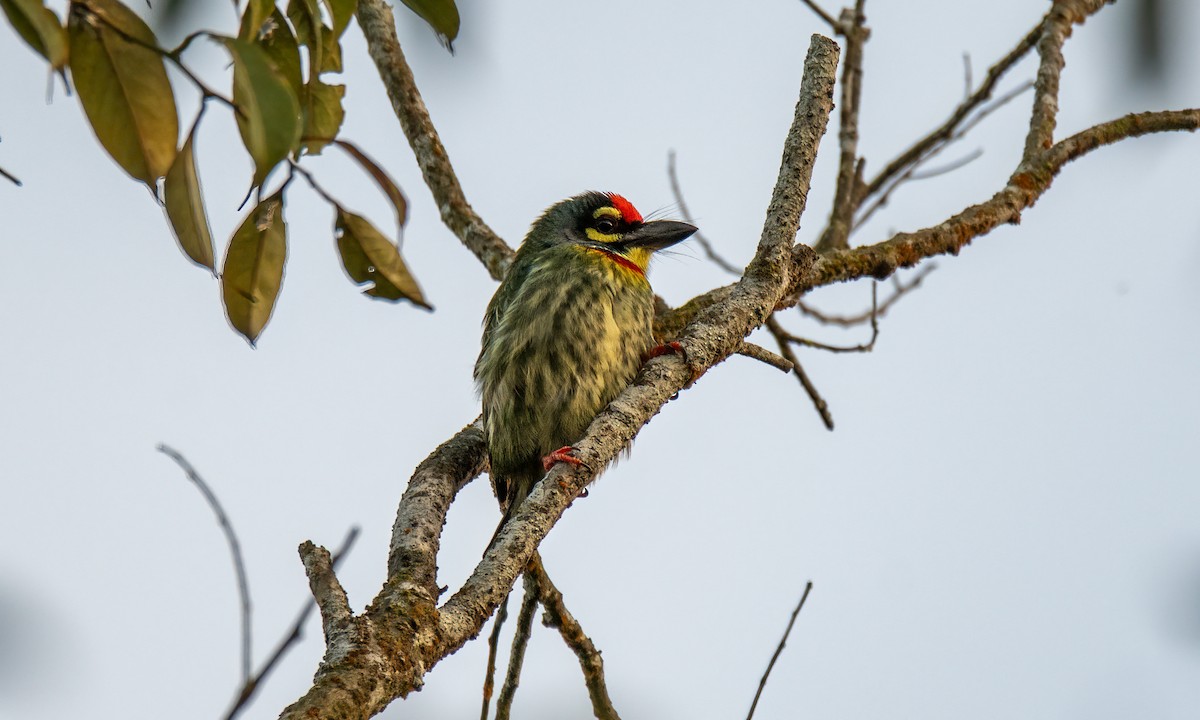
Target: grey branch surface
(383, 653)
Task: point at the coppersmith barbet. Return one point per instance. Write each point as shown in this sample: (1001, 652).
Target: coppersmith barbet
(565, 333)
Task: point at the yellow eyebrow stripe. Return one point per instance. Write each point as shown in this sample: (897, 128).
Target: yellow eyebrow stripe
(597, 236)
(606, 211)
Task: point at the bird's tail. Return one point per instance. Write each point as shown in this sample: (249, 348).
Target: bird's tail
(515, 486)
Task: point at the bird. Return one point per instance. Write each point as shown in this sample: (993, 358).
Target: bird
(565, 333)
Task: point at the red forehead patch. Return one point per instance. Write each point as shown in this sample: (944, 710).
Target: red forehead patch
(628, 212)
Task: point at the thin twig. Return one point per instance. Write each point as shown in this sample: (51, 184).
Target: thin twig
(820, 12)
(489, 680)
(919, 149)
(10, 177)
(785, 349)
(687, 215)
(520, 643)
(968, 80)
(763, 355)
(782, 641)
(852, 27)
(948, 167)
(173, 55)
(910, 173)
(556, 615)
(235, 549)
(294, 167)
(250, 687)
(862, 347)
(899, 289)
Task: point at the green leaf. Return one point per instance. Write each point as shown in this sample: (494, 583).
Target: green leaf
(306, 18)
(323, 114)
(256, 13)
(384, 181)
(442, 16)
(123, 87)
(280, 44)
(269, 117)
(185, 207)
(331, 52)
(341, 11)
(253, 269)
(369, 257)
(40, 28)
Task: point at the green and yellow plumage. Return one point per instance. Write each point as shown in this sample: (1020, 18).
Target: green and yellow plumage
(565, 332)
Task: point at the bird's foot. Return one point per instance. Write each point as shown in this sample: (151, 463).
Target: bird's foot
(563, 454)
(671, 348)
(674, 348)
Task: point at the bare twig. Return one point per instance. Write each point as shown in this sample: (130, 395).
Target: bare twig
(920, 148)
(379, 28)
(295, 169)
(782, 641)
(520, 643)
(968, 79)
(852, 27)
(288, 641)
(1024, 187)
(235, 549)
(763, 355)
(687, 215)
(899, 289)
(489, 681)
(820, 12)
(862, 347)
(556, 615)
(10, 177)
(330, 596)
(911, 172)
(949, 167)
(785, 349)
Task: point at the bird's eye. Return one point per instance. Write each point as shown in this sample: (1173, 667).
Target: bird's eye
(606, 225)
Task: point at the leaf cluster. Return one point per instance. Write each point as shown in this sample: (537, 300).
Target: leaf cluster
(285, 110)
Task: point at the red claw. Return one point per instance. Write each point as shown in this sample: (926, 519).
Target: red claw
(672, 348)
(563, 454)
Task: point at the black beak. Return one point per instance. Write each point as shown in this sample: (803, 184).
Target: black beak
(658, 234)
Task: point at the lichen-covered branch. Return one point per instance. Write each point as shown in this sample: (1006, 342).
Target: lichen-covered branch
(1024, 188)
(379, 28)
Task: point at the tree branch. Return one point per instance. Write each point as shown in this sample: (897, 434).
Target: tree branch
(384, 653)
(1024, 188)
(520, 643)
(235, 550)
(294, 635)
(852, 27)
(947, 129)
(779, 650)
(556, 615)
(379, 28)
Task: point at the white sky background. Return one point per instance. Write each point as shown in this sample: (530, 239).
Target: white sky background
(1004, 524)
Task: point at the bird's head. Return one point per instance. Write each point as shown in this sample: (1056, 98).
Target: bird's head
(609, 226)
